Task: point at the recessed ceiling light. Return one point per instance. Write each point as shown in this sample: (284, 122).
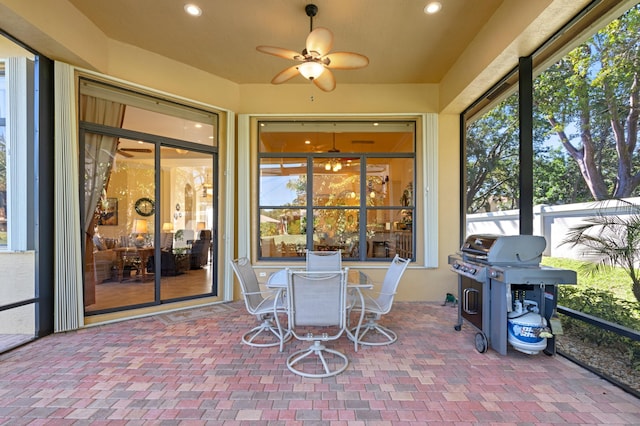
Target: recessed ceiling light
(433, 7)
(192, 9)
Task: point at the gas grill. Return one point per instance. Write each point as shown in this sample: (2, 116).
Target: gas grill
(506, 294)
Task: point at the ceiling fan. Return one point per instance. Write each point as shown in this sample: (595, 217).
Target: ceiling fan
(315, 60)
(125, 152)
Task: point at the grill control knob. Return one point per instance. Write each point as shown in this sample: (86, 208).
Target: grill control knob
(456, 266)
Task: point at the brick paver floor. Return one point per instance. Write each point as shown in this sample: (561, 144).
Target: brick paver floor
(191, 368)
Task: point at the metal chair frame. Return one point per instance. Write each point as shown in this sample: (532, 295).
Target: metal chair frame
(378, 304)
(317, 300)
(266, 305)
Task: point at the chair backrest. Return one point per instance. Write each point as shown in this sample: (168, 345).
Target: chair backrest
(324, 260)
(317, 299)
(166, 241)
(390, 283)
(248, 282)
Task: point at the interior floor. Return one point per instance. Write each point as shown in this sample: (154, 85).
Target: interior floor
(112, 294)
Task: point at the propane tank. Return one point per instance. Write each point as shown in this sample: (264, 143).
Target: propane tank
(527, 329)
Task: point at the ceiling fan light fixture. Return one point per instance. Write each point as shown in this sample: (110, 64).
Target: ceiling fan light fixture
(432, 7)
(310, 69)
(192, 9)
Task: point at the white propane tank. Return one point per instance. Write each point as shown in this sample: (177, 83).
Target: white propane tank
(525, 326)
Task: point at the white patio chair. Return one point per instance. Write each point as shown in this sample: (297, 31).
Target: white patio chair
(317, 313)
(377, 304)
(324, 260)
(266, 305)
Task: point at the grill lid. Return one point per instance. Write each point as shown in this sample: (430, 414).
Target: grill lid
(506, 250)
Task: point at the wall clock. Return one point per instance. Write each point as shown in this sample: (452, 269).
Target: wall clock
(145, 206)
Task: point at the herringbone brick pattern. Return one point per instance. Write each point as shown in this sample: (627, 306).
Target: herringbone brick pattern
(191, 368)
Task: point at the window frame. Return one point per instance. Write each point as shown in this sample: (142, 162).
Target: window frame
(425, 185)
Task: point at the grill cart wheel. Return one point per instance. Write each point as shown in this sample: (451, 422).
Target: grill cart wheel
(481, 342)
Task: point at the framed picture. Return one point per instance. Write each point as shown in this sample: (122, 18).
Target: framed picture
(108, 212)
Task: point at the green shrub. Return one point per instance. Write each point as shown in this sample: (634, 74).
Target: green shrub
(602, 296)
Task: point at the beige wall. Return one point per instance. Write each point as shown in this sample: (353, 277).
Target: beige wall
(140, 67)
(57, 30)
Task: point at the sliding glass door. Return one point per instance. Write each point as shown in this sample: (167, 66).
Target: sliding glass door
(149, 200)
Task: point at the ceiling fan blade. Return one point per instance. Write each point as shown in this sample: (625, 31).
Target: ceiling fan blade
(279, 52)
(124, 154)
(286, 75)
(145, 150)
(320, 41)
(326, 81)
(346, 60)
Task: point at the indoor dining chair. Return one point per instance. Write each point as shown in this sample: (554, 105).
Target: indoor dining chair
(324, 260)
(317, 314)
(375, 304)
(266, 305)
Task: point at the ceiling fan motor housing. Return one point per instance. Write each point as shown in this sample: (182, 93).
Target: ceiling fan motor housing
(311, 9)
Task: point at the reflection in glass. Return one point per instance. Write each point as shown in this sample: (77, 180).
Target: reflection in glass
(283, 232)
(340, 188)
(283, 181)
(336, 229)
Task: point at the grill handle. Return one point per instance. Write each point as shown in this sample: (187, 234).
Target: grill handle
(466, 305)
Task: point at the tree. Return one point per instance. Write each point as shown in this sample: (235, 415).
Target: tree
(590, 100)
(492, 157)
(557, 179)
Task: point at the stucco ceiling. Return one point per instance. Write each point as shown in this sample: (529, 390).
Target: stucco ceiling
(404, 45)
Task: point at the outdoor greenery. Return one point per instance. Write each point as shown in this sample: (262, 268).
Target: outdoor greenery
(611, 240)
(606, 295)
(586, 109)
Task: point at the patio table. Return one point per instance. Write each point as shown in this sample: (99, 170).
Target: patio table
(356, 282)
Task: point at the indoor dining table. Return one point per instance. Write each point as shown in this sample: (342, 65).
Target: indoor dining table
(356, 282)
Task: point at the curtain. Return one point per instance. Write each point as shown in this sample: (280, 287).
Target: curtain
(99, 151)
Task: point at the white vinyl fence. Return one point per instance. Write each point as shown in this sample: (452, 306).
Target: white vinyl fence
(552, 222)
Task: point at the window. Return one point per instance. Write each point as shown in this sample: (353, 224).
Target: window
(336, 186)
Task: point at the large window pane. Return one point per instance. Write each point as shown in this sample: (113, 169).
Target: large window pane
(283, 182)
(355, 166)
(492, 165)
(187, 217)
(121, 221)
(156, 116)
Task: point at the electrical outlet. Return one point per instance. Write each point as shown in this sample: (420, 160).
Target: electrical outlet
(263, 274)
